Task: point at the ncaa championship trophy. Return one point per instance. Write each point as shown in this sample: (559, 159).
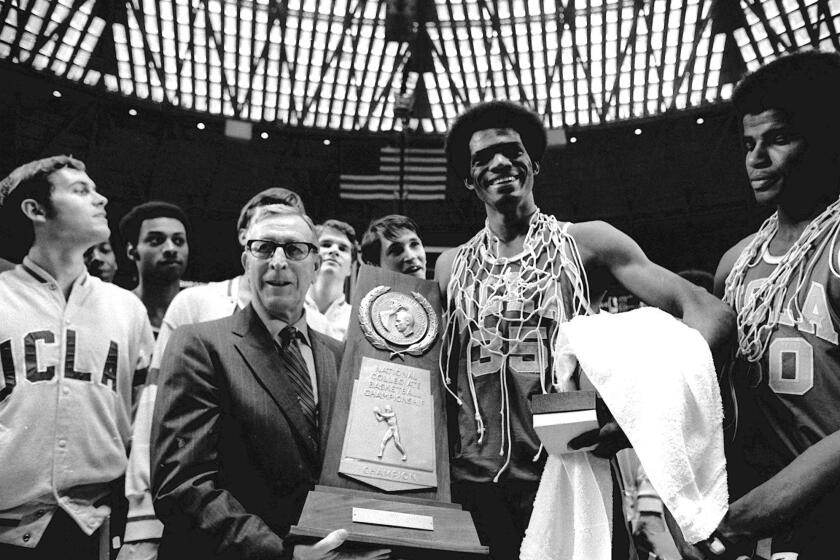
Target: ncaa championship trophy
(385, 476)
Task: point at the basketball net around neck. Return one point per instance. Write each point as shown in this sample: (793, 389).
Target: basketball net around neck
(759, 316)
(480, 285)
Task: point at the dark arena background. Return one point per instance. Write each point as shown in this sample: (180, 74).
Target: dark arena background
(204, 103)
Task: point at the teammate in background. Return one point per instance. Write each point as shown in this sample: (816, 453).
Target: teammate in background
(505, 292)
(156, 235)
(327, 310)
(393, 242)
(784, 463)
(70, 346)
(101, 261)
(192, 305)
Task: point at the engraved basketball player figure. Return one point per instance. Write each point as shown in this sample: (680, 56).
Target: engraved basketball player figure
(387, 415)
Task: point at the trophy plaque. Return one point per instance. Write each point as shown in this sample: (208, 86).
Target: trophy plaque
(385, 476)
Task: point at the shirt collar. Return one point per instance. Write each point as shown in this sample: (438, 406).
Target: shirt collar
(309, 301)
(45, 277)
(274, 326)
(239, 291)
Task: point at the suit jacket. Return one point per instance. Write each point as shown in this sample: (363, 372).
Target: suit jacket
(231, 461)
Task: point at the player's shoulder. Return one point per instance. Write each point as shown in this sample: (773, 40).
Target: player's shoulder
(727, 262)
(6, 265)
(591, 231)
(596, 235)
(203, 290)
(735, 251)
(443, 266)
(213, 329)
(8, 275)
(112, 292)
(10, 284)
(13, 277)
(193, 298)
(599, 242)
(445, 260)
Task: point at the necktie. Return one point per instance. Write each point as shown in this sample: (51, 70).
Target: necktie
(299, 376)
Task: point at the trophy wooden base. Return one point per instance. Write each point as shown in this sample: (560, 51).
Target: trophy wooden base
(413, 528)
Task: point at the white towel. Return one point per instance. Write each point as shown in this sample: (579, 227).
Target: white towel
(657, 377)
(572, 516)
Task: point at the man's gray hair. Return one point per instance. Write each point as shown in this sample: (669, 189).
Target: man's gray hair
(269, 211)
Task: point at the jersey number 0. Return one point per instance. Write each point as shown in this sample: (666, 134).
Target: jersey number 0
(791, 364)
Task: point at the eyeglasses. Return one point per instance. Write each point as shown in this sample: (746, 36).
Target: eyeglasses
(294, 250)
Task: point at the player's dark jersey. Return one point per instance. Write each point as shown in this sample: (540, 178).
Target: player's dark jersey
(790, 398)
(520, 348)
(795, 387)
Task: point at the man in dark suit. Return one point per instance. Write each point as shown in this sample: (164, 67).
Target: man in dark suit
(241, 418)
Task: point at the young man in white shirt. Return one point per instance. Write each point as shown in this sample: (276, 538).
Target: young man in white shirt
(70, 348)
(327, 310)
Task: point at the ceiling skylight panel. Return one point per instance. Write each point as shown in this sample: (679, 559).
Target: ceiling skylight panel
(27, 42)
(457, 9)
(9, 29)
(33, 24)
(157, 93)
(472, 13)
(110, 82)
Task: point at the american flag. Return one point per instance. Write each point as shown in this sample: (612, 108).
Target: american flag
(424, 177)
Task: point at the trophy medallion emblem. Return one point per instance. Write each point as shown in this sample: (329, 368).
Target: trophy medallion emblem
(397, 322)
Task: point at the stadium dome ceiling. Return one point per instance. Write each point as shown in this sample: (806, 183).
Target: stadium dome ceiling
(327, 64)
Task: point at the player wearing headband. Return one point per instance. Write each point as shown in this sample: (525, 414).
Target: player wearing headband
(506, 290)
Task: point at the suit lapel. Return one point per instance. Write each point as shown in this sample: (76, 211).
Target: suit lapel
(259, 352)
(326, 372)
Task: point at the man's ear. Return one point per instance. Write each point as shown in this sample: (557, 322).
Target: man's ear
(244, 259)
(131, 252)
(536, 168)
(241, 235)
(33, 210)
(317, 263)
(468, 184)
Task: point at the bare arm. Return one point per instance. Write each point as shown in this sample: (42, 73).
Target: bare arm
(774, 504)
(443, 270)
(607, 252)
